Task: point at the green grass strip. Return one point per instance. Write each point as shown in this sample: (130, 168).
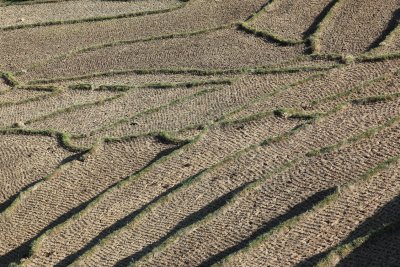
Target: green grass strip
(367, 176)
(343, 250)
(246, 27)
(260, 181)
(191, 71)
(92, 19)
(36, 245)
(314, 39)
(9, 79)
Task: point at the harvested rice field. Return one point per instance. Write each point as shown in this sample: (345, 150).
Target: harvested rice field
(199, 133)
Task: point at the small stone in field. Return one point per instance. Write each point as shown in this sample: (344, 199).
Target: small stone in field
(19, 124)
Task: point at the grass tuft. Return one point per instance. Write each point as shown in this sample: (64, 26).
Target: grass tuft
(9, 79)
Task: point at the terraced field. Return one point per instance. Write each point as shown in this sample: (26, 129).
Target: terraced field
(199, 133)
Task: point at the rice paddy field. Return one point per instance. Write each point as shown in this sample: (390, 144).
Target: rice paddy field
(199, 133)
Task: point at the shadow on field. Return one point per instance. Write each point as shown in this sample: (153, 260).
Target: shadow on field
(382, 250)
(121, 223)
(392, 24)
(387, 214)
(11, 199)
(268, 226)
(189, 220)
(23, 250)
(313, 27)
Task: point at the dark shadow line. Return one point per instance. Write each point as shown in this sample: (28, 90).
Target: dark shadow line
(314, 26)
(265, 37)
(381, 254)
(11, 199)
(121, 223)
(189, 220)
(267, 3)
(392, 24)
(23, 250)
(385, 215)
(296, 210)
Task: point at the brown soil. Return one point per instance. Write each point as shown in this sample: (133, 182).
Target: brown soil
(137, 80)
(391, 43)
(214, 185)
(290, 19)
(331, 83)
(71, 187)
(16, 96)
(11, 114)
(358, 211)
(25, 160)
(207, 51)
(133, 102)
(217, 144)
(206, 107)
(274, 199)
(368, 21)
(40, 43)
(179, 138)
(72, 10)
(3, 87)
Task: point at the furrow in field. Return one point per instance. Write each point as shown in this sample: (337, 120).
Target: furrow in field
(205, 107)
(18, 15)
(132, 79)
(206, 50)
(373, 90)
(134, 101)
(24, 112)
(333, 82)
(360, 208)
(57, 198)
(276, 200)
(16, 96)
(370, 24)
(38, 44)
(293, 20)
(217, 144)
(214, 187)
(24, 160)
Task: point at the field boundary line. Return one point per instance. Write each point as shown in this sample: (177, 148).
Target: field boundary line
(205, 130)
(260, 181)
(214, 87)
(246, 27)
(52, 91)
(190, 71)
(35, 245)
(388, 40)
(9, 79)
(343, 250)
(73, 108)
(95, 47)
(365, 177)
(278, 91)
(92, 19)
(123, 92)
(314, 39)
(29, 2)
(184, 184)
(22, 194)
